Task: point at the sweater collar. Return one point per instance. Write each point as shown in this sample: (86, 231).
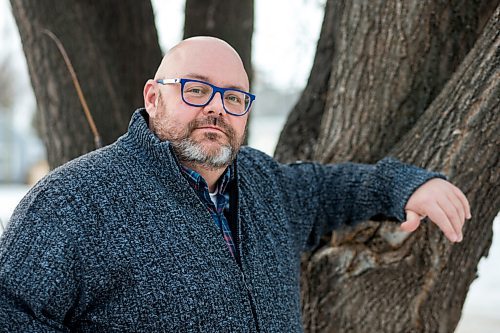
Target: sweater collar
(141, 141)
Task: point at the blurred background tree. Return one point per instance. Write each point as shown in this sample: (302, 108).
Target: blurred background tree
(113, 47)
(6, 86)
(414, 79)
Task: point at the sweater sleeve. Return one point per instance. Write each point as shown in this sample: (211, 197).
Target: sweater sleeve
(37, 281)
(325, 197)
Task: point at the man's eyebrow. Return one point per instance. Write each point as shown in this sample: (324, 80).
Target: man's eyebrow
(206, 79)
(196, 76)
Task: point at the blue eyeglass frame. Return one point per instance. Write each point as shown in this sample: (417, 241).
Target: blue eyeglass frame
(215, 89)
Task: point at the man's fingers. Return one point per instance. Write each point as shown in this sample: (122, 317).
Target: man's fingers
(443, 203)
(459, 208)
(463, 199)
(453, 216)
(412, 221)
(439, 217)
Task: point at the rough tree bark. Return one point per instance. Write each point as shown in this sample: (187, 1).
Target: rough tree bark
(231, 21)
(378, 64)
(376, 278)
(113, 46)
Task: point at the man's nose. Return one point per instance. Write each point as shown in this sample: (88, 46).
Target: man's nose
(215, 106)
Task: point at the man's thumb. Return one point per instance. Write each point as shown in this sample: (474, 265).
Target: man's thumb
(412, 221)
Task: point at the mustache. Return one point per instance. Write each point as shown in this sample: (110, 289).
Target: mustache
(212, 121)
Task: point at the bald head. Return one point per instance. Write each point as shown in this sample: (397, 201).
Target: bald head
(205, 137)
(205, 57)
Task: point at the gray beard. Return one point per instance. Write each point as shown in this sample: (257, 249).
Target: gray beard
(187, 150)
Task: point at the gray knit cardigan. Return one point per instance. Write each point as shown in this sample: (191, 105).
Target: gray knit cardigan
(118, 241)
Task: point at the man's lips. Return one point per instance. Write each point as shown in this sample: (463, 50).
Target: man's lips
(213, 128)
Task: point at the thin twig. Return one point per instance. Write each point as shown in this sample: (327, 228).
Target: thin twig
(74, 78)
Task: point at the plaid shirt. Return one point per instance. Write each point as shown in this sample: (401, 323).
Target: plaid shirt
(201, 188)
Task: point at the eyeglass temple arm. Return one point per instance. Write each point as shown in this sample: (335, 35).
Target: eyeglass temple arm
(167, 81)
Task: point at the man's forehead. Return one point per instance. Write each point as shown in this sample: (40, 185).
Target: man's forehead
(201, 44)
(203, 52)
(205, 59)
(222, 84)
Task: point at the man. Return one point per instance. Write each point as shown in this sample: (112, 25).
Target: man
(174, 228)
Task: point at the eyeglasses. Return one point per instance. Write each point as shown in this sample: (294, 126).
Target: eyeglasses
(199, 93)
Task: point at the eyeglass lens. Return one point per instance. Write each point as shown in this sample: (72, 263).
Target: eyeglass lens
(199, 94)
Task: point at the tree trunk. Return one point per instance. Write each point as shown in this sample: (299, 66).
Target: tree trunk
(113, 47)
(376, 278)
(231, 21)
(378, 66)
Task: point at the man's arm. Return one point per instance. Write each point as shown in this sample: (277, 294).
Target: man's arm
(37, 280)
(325, 197)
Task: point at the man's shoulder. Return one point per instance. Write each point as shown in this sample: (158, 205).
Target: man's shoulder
(76, 183)
(256, 167)
(83, 171)
(251, 156)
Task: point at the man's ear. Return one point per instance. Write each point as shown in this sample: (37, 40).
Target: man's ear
(150, 97)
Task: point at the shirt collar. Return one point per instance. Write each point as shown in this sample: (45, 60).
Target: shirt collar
(199, 183)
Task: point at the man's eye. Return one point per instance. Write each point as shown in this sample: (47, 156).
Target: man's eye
(196, 90)
(234, 99)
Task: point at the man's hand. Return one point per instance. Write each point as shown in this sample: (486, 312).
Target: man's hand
(443, 203)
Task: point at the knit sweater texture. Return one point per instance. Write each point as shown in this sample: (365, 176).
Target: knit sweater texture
(118, 241)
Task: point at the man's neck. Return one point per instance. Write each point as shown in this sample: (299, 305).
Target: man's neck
(210, 175)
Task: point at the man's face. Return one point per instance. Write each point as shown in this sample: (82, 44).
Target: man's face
(207, 135)
(204, 137)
